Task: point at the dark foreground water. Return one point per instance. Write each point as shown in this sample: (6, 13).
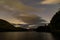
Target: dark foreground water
(25, 36)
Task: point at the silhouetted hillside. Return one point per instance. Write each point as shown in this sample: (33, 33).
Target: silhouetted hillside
(42, 29)
(55, 22)
(21, 29)
(55, 25)
(6, 26)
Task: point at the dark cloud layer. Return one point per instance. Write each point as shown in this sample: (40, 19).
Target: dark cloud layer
(8, 8)
(30, 18)
(30, 2)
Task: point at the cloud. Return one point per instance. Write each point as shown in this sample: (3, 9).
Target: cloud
(30, 2)
(30, 18)
(50, 2)
(16, 4)
(13, 7)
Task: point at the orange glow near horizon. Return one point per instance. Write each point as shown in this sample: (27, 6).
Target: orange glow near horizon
(18, 22)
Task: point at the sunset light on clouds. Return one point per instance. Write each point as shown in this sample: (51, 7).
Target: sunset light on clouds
(45, 9)
(50, 2)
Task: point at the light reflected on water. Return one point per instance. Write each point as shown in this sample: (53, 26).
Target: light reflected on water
(25, 36)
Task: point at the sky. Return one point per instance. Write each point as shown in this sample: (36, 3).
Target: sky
(26, 11)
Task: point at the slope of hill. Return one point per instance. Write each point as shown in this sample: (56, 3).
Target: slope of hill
(6, 26)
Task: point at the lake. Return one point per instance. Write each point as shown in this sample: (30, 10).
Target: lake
(25, 36)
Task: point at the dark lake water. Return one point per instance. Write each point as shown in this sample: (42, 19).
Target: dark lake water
(25, 36)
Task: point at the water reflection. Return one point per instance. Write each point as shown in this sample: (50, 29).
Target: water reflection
(25, 36)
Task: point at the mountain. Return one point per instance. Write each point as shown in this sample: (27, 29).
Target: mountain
(6, 26)
(55, 22)
(55, 25)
